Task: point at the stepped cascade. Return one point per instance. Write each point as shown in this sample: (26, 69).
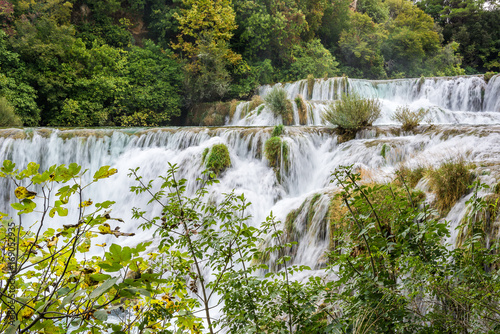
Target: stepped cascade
(314, 152)
(450, 100)
(464, 123)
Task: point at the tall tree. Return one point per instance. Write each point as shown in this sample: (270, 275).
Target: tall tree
(205, 28)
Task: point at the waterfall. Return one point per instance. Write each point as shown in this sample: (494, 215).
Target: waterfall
(450, 100)
(313, 153)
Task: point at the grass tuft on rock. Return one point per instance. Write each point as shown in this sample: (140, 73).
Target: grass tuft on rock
(352, 113)
(411, 176)
(278, 130)
(302, 108)
(310, 85)
(449, 183)
(276, 152)
(409, 119)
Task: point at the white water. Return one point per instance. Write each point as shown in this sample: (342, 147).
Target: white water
(450, 100)
(314, 154)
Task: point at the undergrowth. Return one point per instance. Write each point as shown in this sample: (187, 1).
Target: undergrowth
(450, 181)
(7, 114)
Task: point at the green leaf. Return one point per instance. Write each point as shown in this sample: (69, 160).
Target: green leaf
(8, 166)
(103, 288)
(12, 329)
(100, 277)
(104, 172)
(113, 267)
(63, 291)
(71, 297)
(101, 315)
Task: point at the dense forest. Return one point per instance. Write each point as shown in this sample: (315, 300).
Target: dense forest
(144, 62)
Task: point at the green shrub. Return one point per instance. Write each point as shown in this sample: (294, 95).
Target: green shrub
(217, 158)
(278, 130)
(276, 152)
(450, 182)
(489, 75)
(7, 115)
(352, 113)
(409, 118)
(278, 103)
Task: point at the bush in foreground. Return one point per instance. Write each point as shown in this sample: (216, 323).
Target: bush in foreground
(352, 113)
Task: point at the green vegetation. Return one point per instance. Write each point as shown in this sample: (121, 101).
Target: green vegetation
(411, 176)
(276, 152)
(450, 181)
(210, 113)
(278, 130)
(489, 75)
(391, 257)
(302, 108)
(310, 85)
(277, 101)
(148, 62)
(409, 119)
(387, 251)
(216, 159)
(255, 102)
(52, 279)
(7, 116)
(352, 113)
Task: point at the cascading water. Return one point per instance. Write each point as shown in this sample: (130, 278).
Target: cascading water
(450, 100)
(313, 152)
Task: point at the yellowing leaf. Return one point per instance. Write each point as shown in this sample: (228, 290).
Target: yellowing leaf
(27, 312)
(85, 203)
(53, 242)
(22, 193)
(105, 228)
(104, 172)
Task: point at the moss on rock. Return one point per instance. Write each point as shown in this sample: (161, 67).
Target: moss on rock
(276, 152)
(216, 159)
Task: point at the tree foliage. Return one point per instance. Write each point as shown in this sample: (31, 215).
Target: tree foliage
(66, 63)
